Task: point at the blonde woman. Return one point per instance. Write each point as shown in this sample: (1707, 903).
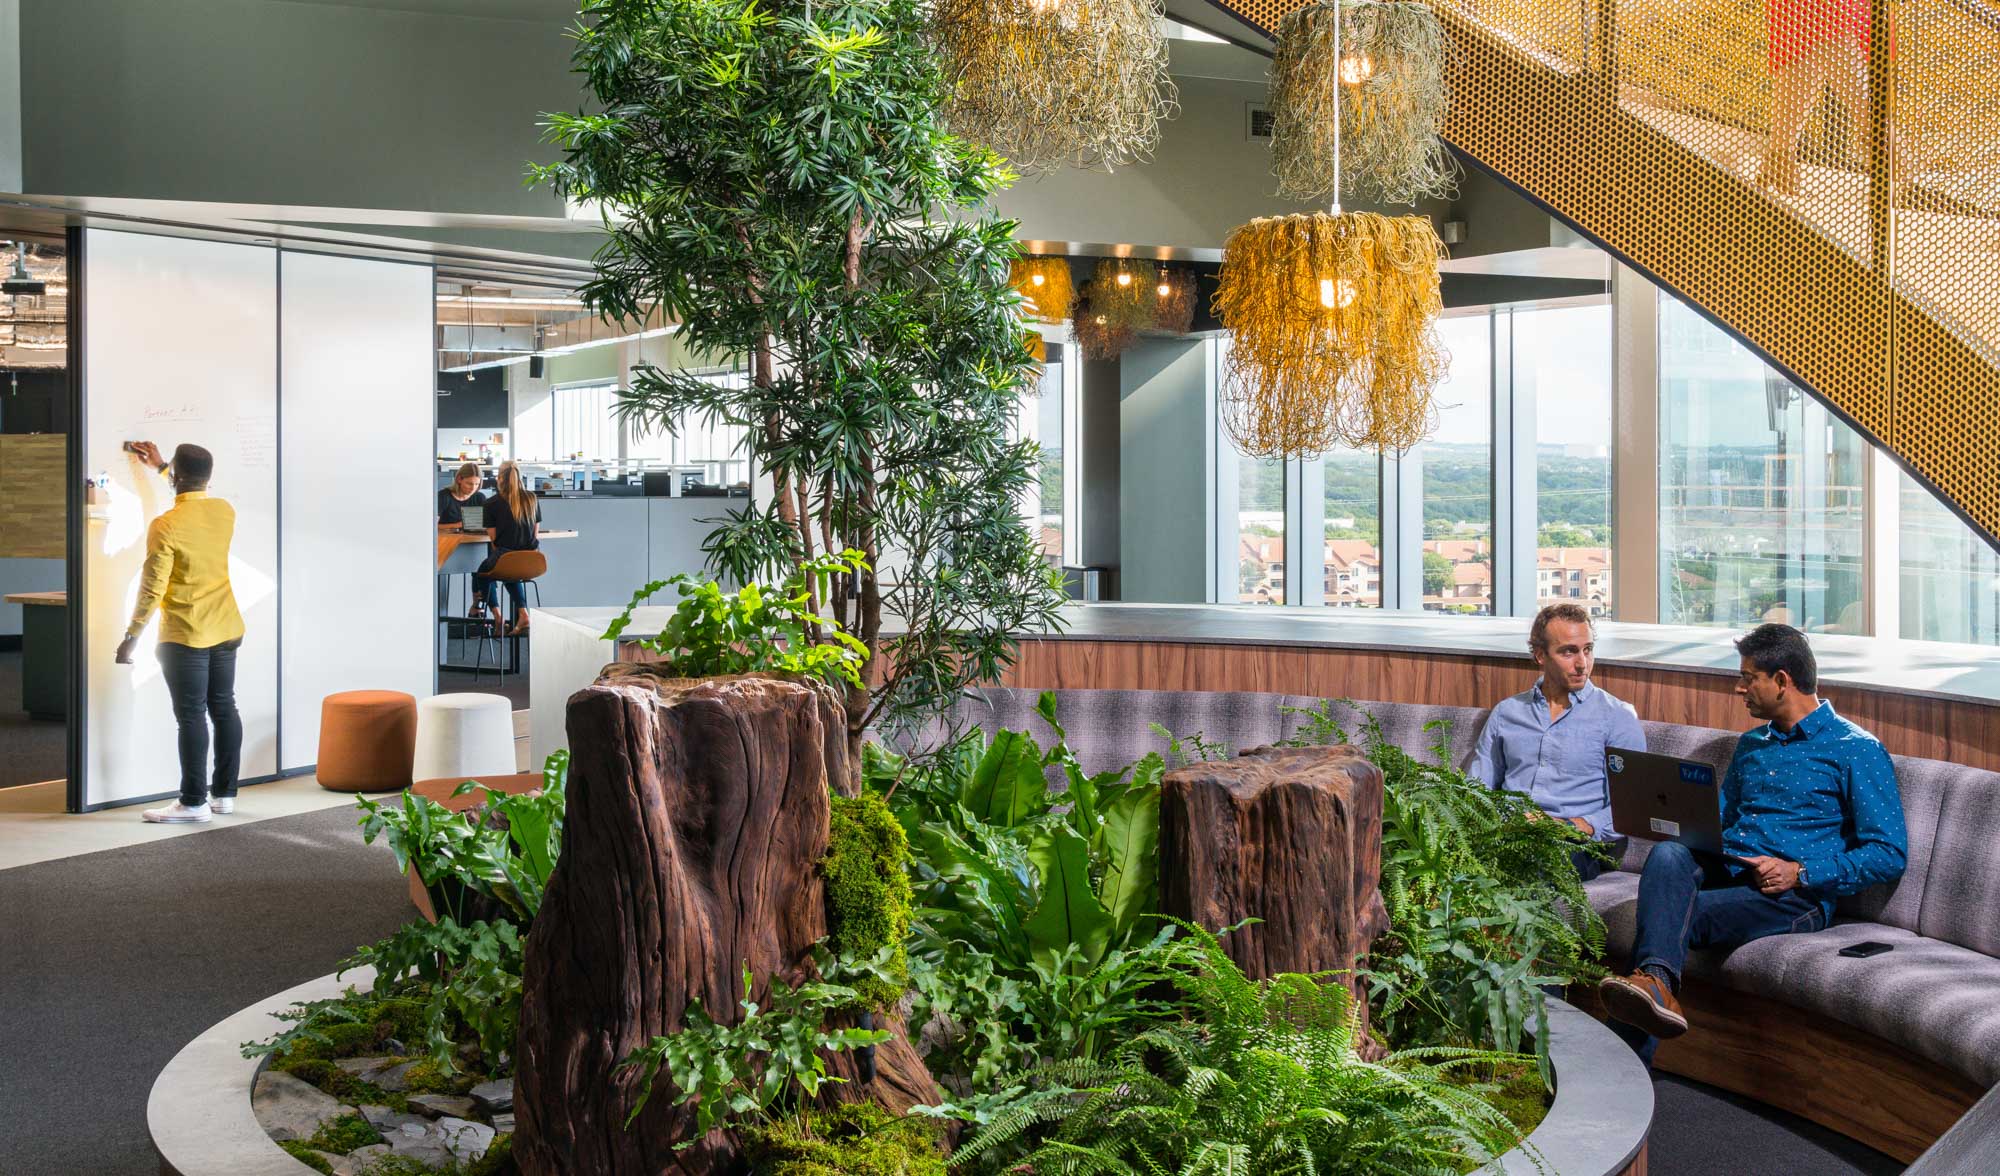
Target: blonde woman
(513, 522)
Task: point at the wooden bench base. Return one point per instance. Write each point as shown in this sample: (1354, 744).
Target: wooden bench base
(1844, 1079)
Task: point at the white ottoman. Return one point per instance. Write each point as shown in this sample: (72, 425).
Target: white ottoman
(464, 735)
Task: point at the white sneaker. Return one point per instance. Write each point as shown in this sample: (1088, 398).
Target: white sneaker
(179, 814)
(222, 806)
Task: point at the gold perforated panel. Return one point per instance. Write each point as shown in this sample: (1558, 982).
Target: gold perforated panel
(1864, 258)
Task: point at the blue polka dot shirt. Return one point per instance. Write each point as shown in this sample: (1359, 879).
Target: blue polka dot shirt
(1822, 794)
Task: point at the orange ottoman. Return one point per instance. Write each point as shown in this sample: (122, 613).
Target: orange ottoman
(367, 741)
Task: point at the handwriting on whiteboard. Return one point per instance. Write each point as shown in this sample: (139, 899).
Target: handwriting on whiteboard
(257, 440)
(154, 413)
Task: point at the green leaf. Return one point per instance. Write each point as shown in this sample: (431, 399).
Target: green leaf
(1131, 852)
(1069, 913)
(1008, 786)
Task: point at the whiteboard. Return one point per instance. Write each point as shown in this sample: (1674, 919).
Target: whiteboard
(181, 345)
(360, 548)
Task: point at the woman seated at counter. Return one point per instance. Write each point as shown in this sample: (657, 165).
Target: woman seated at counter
(513, 519)
(463, 492)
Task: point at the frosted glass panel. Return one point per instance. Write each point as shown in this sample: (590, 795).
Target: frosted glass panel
(181, 346)
(360, 552)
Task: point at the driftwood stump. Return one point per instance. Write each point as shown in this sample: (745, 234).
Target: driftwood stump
(1288, 836)
(697, 818)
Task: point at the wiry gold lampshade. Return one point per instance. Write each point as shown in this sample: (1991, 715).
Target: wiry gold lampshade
(1173, 308)
(1053, 83)
(1369, 113)
(1096, 333)
(1333, 326)
(1123, 290)
(1044, 285)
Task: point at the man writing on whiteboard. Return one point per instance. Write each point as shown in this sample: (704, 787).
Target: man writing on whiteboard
(186, 577)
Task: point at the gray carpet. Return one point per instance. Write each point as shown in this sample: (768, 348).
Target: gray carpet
(111, 962)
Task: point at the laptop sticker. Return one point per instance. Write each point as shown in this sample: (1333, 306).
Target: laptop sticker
(1665, 827)
(1697, 774)
(1616, 763)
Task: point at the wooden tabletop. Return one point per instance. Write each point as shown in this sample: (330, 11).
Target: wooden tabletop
(450, 541)
(55, 598)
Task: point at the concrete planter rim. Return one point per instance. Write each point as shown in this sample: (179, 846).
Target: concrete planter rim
(201, 1122)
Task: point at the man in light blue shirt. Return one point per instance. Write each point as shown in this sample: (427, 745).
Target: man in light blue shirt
(1549, 742)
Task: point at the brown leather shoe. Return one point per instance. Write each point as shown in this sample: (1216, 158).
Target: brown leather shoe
(1642, 1001)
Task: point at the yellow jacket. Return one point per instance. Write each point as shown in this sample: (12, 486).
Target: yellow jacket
(187, 574)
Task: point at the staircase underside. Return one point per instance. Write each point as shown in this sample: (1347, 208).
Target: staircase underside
(1656, 158)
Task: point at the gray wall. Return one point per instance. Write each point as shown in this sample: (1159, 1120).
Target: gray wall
(260, 101)
(1098, 498)
(26, 575)
(1163, 471)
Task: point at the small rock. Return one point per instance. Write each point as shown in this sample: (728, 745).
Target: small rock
(289, 1108)
(387, 1073)
(437, 1105)
(387, 1121)
(503, 1124)
(395, 1047)
(357, 1162)
(497, 1095)
(465, 1140)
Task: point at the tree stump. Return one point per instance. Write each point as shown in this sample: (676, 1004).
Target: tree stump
(1288, 836)
(697, 817)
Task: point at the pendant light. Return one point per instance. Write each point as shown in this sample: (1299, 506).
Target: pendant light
(1044, 286)
(1054, 83)
(1363, 81)
(1333, 324)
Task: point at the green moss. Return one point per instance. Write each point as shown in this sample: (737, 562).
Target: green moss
(1515, 1091)
(498, 1160)
(402, 1017)
(306, 1154)
(858, 1139)
(344, 1086)
(868, 892)
(427, 1077)
(343, 1135)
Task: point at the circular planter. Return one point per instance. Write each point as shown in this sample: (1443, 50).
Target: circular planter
(200, 1118)
(1603, 1110)
(199, 1111)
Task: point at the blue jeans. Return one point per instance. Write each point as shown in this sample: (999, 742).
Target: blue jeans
(1689, 900)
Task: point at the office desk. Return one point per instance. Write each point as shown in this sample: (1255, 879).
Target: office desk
(44, 653)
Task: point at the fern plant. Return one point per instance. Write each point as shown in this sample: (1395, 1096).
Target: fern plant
(1485, 907)
(1261, 1077)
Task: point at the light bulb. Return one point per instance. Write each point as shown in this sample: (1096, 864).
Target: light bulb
(1124, 279)
(1335, 295)
(1356, 69)
(1038, 279)
(1165, 290)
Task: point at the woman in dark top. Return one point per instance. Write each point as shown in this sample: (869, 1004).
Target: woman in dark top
(512, 521)
(463, 492)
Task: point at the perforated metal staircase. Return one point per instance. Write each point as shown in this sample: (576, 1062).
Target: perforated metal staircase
(1642, 123)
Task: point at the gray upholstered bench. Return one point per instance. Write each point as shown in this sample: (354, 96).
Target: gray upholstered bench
(1890, 1050)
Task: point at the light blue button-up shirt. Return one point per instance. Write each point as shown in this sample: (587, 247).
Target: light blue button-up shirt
(1822, 794)
(1560, 764)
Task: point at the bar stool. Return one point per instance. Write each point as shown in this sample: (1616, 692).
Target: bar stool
(528, 567)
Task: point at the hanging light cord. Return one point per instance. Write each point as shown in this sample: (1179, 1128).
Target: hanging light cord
(1339, 16)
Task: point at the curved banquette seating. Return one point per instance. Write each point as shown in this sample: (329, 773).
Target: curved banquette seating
(1890, 1050)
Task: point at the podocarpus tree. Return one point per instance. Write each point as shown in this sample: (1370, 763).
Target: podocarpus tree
(778, 181)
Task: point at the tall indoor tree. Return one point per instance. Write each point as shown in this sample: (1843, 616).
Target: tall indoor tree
(777, 180)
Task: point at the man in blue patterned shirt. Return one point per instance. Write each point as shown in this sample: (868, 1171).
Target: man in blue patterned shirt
(1549, 741)
(1810, 812)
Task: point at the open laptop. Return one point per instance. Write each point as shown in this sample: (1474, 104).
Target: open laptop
(472, 518)
(1663, 798)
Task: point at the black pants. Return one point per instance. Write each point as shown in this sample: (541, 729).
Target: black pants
(203, 685)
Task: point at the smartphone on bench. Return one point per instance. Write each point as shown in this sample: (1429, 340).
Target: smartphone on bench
(1862, 951)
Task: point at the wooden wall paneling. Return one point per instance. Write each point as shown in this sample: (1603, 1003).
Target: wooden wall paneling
(33, 486)
(1933, 728)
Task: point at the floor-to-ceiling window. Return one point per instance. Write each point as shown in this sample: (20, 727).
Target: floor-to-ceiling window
(1761, 490)
(1950, 577)
(1351, 555)
(1562, 360)
(1048, 425)
(1458, 475)
(1260, 530)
